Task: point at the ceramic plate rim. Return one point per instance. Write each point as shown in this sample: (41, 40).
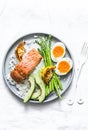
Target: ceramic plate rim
(3, 67)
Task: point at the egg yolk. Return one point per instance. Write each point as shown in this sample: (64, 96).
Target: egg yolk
(58, 51)
(64, 67)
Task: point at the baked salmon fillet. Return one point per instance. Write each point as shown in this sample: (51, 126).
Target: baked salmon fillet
(26, 66)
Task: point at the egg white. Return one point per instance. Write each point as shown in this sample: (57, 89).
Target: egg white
(58, 58)
(67, 59)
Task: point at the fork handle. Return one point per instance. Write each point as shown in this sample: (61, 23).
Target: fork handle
(79, 72)
(71, 99)
(80, 99)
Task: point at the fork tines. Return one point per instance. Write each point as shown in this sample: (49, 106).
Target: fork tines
(84, 50)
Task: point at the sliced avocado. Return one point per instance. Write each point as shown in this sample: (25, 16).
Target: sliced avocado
(36, 94)
(41, 84)
(31, 90)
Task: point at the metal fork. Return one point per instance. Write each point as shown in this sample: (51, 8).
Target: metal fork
(82, 60)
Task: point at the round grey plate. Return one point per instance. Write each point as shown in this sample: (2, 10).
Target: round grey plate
(66, 80)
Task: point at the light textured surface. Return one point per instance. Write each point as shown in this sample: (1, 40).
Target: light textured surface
(68, 20)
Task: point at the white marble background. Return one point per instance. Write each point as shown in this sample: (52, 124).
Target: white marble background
(68, 20)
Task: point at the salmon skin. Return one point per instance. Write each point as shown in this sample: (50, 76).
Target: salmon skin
(26, 66)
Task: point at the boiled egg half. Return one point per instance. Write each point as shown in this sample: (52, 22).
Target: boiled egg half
(57, 51)
(63, 66)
